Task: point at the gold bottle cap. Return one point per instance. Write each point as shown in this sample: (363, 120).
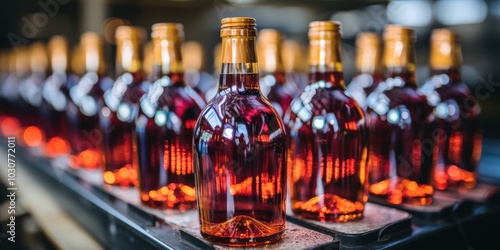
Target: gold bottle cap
(192, 55)
(324, 29)
(21, 58)
(91, 52)
(128, 32)
(269, 48)
(399, 32)
(270, 36)
(167, 31)
(445, 51)
(238, 26)
(399, 47)
(325, 50)
(58, 52)
(90, 38)
(148, 58)
(368, 52)
(39, 59)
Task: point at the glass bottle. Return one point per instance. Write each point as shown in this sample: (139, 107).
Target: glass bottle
(273, 82)
(85, 101)
(18, 65)
(402, 148)
(327, 136)
(368, 69)
(30, 90)
(240, 150)
(121, 104)
(55, 93)
(459, 134)
(164, 126)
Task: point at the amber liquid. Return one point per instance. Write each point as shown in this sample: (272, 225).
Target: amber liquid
(239, 158)
(117, 125)
(84, 136)
(402, 145)
(164, 138)
(361, 86)
(281, 92)
(459, 134)
(327, 152)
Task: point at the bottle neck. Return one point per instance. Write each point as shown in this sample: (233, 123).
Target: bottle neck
(167, 59)
(325, 62)
(128, 57)
(445, 58)
(399, 61)
(239, 71)
(270, 58)
(368, 60)
(93, 56)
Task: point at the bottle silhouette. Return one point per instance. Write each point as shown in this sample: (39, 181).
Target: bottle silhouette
(327, 137)
(402, 146)
(164, 126)
(239, 150)
(459, 137)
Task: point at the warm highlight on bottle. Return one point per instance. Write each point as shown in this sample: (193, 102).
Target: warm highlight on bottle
(402, 143)
(459, 138)
(239, 150)
(327, 150)
(164, 126)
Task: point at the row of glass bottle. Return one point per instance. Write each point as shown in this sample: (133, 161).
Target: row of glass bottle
(334, 146)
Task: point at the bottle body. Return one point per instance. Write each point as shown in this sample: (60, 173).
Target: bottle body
(116, 122)
(239, 150)
(459, 131)
(163, 133)
(327, 153)
(402, 145)
(85, 138)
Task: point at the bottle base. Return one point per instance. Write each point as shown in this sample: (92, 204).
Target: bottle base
(173, 196)
(241, 231)
(329, 208)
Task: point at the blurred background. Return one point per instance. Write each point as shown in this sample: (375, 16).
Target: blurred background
(476, 21)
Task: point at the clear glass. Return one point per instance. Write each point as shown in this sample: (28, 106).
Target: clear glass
(240, 162)
(327, 156)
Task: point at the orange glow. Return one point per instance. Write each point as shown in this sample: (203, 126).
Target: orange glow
(9, 126)
(455, 147)
(89, 159)
(109, 177)
(171, 196)
(454, 172)
(441, 180)
(178, 158)
(403, 190)
(351, 125)
(57, 146)
(32, 136)
(330, 205)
